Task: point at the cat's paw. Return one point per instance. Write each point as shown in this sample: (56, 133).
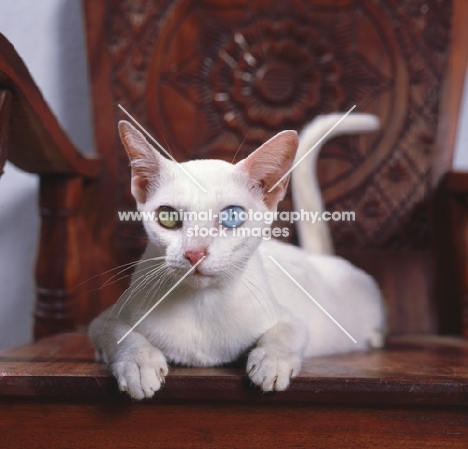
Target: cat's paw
(141, 374)
(272, 370)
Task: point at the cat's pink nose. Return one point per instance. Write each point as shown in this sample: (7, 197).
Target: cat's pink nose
(194, 256)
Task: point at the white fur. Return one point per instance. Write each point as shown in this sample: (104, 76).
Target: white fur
(241, 302)
(315, 237)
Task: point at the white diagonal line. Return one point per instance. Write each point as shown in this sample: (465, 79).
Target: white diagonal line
(159, 302)
(317, 303)
(162, 148)
(318, 143)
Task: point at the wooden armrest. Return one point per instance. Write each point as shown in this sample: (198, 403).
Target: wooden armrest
(451, 212)
(456, 182)
(36, 142)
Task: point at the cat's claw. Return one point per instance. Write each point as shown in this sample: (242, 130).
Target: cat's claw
(272, 370)
(141, 374)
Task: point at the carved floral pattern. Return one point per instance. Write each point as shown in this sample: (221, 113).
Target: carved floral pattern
(277, 69)
(217, 78)
(263, 84)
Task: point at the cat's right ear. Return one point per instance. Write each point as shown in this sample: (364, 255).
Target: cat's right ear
(145, 160)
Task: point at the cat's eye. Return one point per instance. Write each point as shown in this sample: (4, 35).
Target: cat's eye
(232, 216)
(169, 218)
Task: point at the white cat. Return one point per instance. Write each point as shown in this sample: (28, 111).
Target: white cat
(237, 299)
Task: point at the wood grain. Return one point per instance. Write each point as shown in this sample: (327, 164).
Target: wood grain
(454, 241)
(202, 425)
(412, 370)
(412, 395)
(60, 197)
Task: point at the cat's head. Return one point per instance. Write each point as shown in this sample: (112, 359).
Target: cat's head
(164, 187)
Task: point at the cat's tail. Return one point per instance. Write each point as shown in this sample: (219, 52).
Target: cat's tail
(315, 237)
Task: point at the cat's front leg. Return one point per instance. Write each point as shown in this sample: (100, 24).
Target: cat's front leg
(278, 356)
(138, 366)
(140, 370)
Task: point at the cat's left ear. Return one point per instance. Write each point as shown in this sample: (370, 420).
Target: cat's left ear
(269, 163)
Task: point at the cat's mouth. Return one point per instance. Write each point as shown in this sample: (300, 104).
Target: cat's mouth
(198, 277)
(195, 273)
(198, 273)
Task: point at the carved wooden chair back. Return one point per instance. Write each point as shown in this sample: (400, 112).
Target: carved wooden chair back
(215, 79)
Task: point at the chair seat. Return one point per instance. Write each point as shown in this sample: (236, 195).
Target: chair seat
(430, 370)
(413, 394)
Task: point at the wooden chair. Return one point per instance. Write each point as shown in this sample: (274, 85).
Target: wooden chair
(215, 79)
